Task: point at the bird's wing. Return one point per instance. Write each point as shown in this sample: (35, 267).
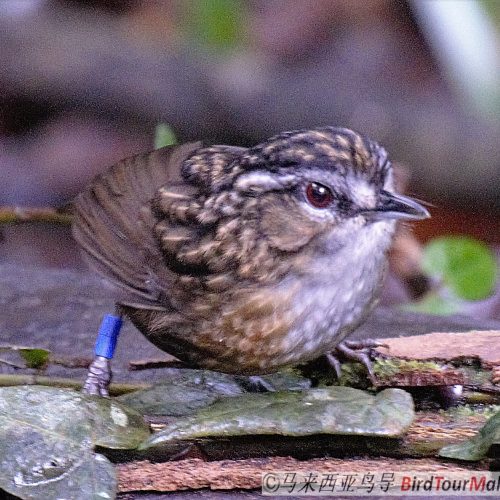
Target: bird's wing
(108, 225)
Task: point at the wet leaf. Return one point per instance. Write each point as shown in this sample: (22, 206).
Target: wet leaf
(57, 472)
(183, 393)
(186, 391)
(114, 425)
(285, 380)
(467, 266)
(47, 436)
(477, 447)
(332, 410)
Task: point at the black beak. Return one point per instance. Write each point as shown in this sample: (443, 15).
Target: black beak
(396, 206)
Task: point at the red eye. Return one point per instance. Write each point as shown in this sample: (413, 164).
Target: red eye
(318, 196)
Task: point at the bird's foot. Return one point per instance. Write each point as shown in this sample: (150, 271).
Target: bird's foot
(354, 350)
(98, 377)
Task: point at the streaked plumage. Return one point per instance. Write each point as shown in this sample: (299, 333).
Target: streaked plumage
(223, 261)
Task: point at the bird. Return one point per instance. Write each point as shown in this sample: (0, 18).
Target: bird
(245, 260)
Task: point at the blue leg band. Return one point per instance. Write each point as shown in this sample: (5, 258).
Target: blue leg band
(107, 336)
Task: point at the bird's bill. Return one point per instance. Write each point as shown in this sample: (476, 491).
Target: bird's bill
(397, 206)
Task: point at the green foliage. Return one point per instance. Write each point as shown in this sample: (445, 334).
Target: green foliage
(466, 269)
(217, 24)
(465, 265)
(164, 136)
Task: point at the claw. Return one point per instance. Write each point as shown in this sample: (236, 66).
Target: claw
(334, 363)
(355, 350)
(360, 356)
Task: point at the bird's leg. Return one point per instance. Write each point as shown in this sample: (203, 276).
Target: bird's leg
(98, 377)
(99, 374)
(354, 350)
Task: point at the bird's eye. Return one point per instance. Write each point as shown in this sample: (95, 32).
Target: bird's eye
(318, 195)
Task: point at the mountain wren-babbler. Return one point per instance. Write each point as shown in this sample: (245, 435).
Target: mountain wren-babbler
(245, 260)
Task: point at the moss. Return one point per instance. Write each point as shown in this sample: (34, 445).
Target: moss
(466, 411)
(386, 368)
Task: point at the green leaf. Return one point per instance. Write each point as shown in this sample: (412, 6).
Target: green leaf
(114, 425)
(47, 437)
(164, 136)
(185, 391)
(332, 410)
(477, 447)
(465, 265)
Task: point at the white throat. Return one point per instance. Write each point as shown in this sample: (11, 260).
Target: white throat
(338, 291)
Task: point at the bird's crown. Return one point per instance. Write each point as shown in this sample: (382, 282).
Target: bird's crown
(218, 167)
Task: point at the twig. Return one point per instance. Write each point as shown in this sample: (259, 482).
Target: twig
(148, 364)
(68, 362)
(14, 380)
(11, 364)
(16, 215)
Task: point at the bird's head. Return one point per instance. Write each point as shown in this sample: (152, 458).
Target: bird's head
(304, 183)
(319, 189)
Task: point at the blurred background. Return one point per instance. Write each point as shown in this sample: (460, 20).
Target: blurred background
(84, 83)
